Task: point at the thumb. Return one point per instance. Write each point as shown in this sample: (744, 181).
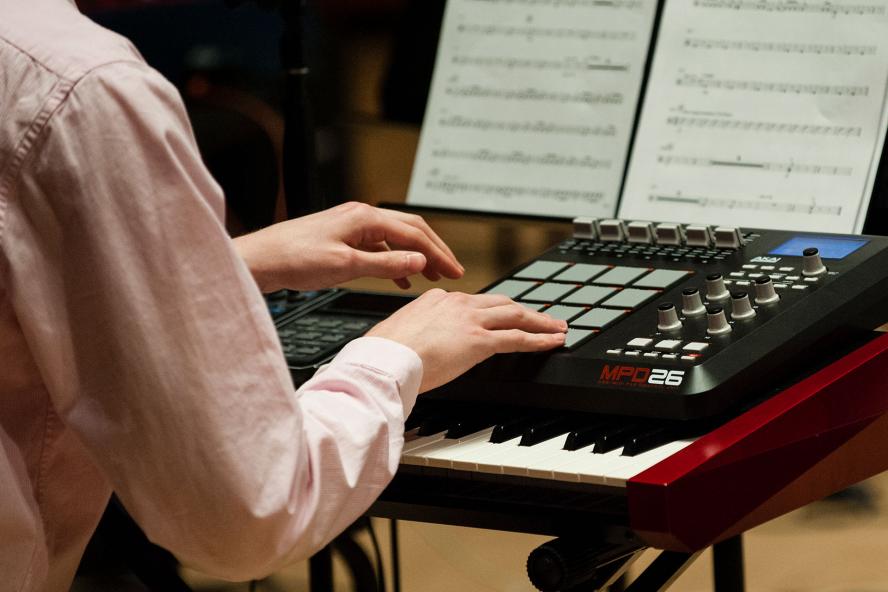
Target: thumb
(390, 264)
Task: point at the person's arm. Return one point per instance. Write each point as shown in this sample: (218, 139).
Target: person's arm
(344, 243)
(158, 352)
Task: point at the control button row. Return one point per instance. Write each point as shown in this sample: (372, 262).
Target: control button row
(698, 235)
(667, 345)
(635, 353)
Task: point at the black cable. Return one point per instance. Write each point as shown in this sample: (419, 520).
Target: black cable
(396, 562)
(380, 574)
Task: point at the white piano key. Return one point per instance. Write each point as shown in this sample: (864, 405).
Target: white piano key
(587, 467)
(412, 442)
(438, 453)
(487, 460)
(633, 465)
(518, 462)
(544, 467)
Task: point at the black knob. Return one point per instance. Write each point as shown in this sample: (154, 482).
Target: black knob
(812, 264)
(741, 307)
(691, 303)
(764, 290)
(717, 323)
(667, 318)
(715, 287)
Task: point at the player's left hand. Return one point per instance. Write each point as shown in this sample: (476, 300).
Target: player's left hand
(344, 243)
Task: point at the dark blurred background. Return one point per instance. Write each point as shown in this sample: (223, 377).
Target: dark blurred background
(371, 63)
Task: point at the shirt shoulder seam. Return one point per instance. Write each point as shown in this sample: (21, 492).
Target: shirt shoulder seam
(55, 99)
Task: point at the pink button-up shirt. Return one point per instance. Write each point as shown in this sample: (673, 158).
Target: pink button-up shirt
(136, 354)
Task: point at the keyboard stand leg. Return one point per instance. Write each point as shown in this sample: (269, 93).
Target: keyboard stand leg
(727, 565)
(320, 571)
(660, 574)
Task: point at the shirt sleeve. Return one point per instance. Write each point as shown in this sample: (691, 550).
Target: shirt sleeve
(158, 352)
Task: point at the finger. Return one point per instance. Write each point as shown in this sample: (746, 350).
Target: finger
(401, 282)
(488, 300)
(516, 340)
(400, 235)
(516, 316)
(390, 265)
(420, 223)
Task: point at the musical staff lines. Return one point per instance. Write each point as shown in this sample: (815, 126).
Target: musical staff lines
(781, 47)
(476, 91)
(532, 32)
(780, 167)
(714, 123)
(798, 88)
(530, 127)
(796, 6)
(566, 65)
(524, 158)
(618, 4)
(514, 191)
(750, 204)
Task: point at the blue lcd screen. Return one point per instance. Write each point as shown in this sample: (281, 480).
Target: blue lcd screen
(830, 248)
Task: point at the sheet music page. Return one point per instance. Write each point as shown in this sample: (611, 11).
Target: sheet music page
(532, 105)
(763, 113)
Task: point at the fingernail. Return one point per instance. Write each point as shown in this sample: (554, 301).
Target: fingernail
(415, 260)
(562, 325)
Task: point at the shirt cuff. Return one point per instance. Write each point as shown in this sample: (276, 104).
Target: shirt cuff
(388, 357)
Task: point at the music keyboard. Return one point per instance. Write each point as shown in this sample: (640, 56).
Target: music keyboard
(685, 486)
(543, 445)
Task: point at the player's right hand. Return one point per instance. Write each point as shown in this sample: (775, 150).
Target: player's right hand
(452, 331)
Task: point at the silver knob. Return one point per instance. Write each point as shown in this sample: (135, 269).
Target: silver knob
(812, 264)
(741, 307)
(764, 290)
(667, 318)
(716, 320)
(691, 303)
(715, 287)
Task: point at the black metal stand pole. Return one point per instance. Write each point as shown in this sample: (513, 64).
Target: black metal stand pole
(299, 161)
(320, 571)
(727, 565)
(396, 559)
(660, 574)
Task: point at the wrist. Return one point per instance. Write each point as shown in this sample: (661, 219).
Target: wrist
(254, 253)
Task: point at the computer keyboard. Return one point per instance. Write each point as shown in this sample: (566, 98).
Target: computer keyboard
(317, 336)
(285, 301)
(313, 330)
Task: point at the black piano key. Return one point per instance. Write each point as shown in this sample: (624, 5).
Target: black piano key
(546, 430)
(435, 424)
(512, 428)
(616, 437)
(650, 439)
(466, 426)
(586, 435)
